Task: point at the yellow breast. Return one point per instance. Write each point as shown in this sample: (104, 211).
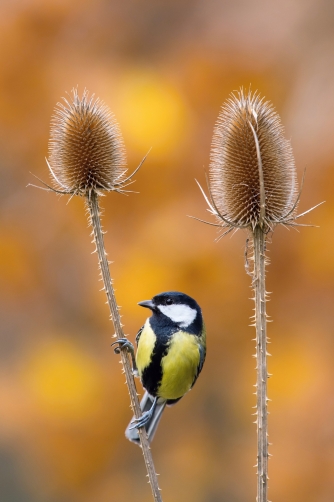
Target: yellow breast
(179, 366)
(145, 347)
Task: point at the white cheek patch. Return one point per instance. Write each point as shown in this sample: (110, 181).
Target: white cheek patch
(182, 314)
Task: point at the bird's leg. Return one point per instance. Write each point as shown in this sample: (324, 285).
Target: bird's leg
(146, 416)
(124, 343)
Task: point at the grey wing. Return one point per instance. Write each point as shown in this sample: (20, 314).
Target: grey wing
(139, 334)
(202, 353)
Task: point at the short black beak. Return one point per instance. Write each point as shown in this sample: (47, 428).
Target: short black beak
(147, 304)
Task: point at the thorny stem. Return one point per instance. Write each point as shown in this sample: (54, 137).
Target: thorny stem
(93, 205)
(261, 358)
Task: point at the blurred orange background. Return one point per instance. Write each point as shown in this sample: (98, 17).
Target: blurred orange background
(164, 68)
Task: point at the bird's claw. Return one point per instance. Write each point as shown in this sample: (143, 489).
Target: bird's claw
(141, 421)
(123, 343)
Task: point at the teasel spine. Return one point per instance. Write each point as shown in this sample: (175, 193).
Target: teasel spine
(87, 158)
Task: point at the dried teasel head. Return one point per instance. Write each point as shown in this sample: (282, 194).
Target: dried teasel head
(252, 175)
(86, 150)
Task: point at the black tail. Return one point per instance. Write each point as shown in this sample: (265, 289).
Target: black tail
(152, 424)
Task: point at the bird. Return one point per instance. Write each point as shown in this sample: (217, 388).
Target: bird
(171, 350)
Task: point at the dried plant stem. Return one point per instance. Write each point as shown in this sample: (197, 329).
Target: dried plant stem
(261, 358)
(253, 185)
(93, 205)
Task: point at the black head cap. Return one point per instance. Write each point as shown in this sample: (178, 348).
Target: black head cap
(178, 308)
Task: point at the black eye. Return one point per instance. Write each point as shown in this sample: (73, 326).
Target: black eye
(169, 301)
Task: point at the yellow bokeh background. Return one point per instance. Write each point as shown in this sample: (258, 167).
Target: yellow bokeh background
(164, 69)
(63, 381)
(152, 112)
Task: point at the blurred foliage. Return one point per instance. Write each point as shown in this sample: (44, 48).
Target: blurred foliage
(164, 68)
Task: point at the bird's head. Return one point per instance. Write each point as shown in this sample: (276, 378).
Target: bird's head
(178, 307)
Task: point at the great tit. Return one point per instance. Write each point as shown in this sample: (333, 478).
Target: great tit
(171, 348)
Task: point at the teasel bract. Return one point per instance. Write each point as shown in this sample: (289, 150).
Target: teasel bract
(252, 185)
(87, 158)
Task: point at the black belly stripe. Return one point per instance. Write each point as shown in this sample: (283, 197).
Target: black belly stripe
(152, 374)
